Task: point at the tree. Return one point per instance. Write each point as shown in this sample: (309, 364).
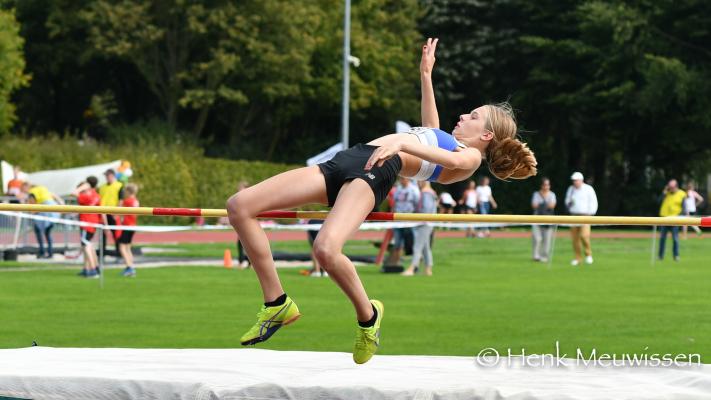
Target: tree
(194, 54)
(617, 90)
(12, 65)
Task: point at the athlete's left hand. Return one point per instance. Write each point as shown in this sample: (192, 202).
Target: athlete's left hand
(382, 154)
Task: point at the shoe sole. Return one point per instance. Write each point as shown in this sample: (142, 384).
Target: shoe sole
(271, 331)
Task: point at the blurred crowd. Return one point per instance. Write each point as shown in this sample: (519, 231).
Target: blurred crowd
(116, 191)
(407, 196)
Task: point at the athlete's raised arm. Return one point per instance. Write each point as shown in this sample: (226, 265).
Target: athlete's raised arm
(428, 107)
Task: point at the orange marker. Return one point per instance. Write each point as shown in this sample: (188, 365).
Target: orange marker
(227, 260)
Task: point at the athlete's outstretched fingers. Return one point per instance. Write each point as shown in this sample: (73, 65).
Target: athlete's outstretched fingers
(433, 47)
(354, 202)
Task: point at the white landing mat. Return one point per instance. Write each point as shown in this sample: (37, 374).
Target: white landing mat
(253, 374)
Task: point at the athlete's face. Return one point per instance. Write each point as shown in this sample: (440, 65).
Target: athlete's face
(472, 127)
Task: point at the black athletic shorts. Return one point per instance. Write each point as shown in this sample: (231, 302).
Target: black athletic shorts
(86, 237)
(348, 164)
(126, 237)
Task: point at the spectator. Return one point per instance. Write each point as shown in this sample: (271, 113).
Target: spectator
(446, 203)
(486, 201)
(672, 206)
(543, 203)
(14, 186)
(242, 259)
(124, 241)
(691, 202)
(391, 198)
(422, 233)
(316, 271)
(41, 195)
(469, 203)
(111, 193)
(581, 200)
(87, 196)
(407, 196)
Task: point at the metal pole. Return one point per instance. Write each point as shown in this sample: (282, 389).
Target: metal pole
(101, 257)
(654, 243)
(555, 233)
(16, 237)
(346, 74)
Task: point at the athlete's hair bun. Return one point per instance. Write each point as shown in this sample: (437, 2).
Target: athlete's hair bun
(510, 158)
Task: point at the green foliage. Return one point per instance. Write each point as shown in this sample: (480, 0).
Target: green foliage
(251, 79)
(616, 90)
(12, 65)
(216, 180)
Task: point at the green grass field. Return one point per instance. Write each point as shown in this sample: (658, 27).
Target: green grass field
(485, 293)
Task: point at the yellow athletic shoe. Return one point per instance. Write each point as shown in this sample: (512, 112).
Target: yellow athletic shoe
(368, 339)
(269, 320)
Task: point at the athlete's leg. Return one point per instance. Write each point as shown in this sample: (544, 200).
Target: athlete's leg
(286, 190)
(355, 200)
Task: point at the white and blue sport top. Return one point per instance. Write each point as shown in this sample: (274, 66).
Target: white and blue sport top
(433, 137)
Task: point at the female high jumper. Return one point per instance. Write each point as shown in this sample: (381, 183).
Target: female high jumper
(356, 181)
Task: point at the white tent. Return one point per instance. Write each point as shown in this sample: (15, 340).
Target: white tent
(325, 155)
(401, 127)
(59, 181)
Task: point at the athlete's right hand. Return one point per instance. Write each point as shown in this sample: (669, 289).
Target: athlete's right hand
(428, 56)
(382, 154)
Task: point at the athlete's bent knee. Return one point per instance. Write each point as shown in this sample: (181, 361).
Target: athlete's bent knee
(326, 253)
(238, 207)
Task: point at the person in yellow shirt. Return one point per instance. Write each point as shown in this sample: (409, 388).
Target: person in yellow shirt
(672, 206)
(36, 194)
(111, 193)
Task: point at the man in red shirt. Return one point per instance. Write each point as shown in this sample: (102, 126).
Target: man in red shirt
(124, 241)
(87, 196)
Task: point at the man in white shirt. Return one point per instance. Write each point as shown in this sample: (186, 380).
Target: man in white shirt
(581, 200)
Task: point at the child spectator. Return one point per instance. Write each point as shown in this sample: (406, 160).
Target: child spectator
(446, 203)
(692, 201)
(14, 186)
(87, 196)
(469, 203)
(124, 241)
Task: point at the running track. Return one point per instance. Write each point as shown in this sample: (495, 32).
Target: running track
(227, 236)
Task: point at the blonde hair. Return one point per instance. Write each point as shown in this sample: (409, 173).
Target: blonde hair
(131, 189)
(508, 157)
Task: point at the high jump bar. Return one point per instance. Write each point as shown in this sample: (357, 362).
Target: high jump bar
(374, 216)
